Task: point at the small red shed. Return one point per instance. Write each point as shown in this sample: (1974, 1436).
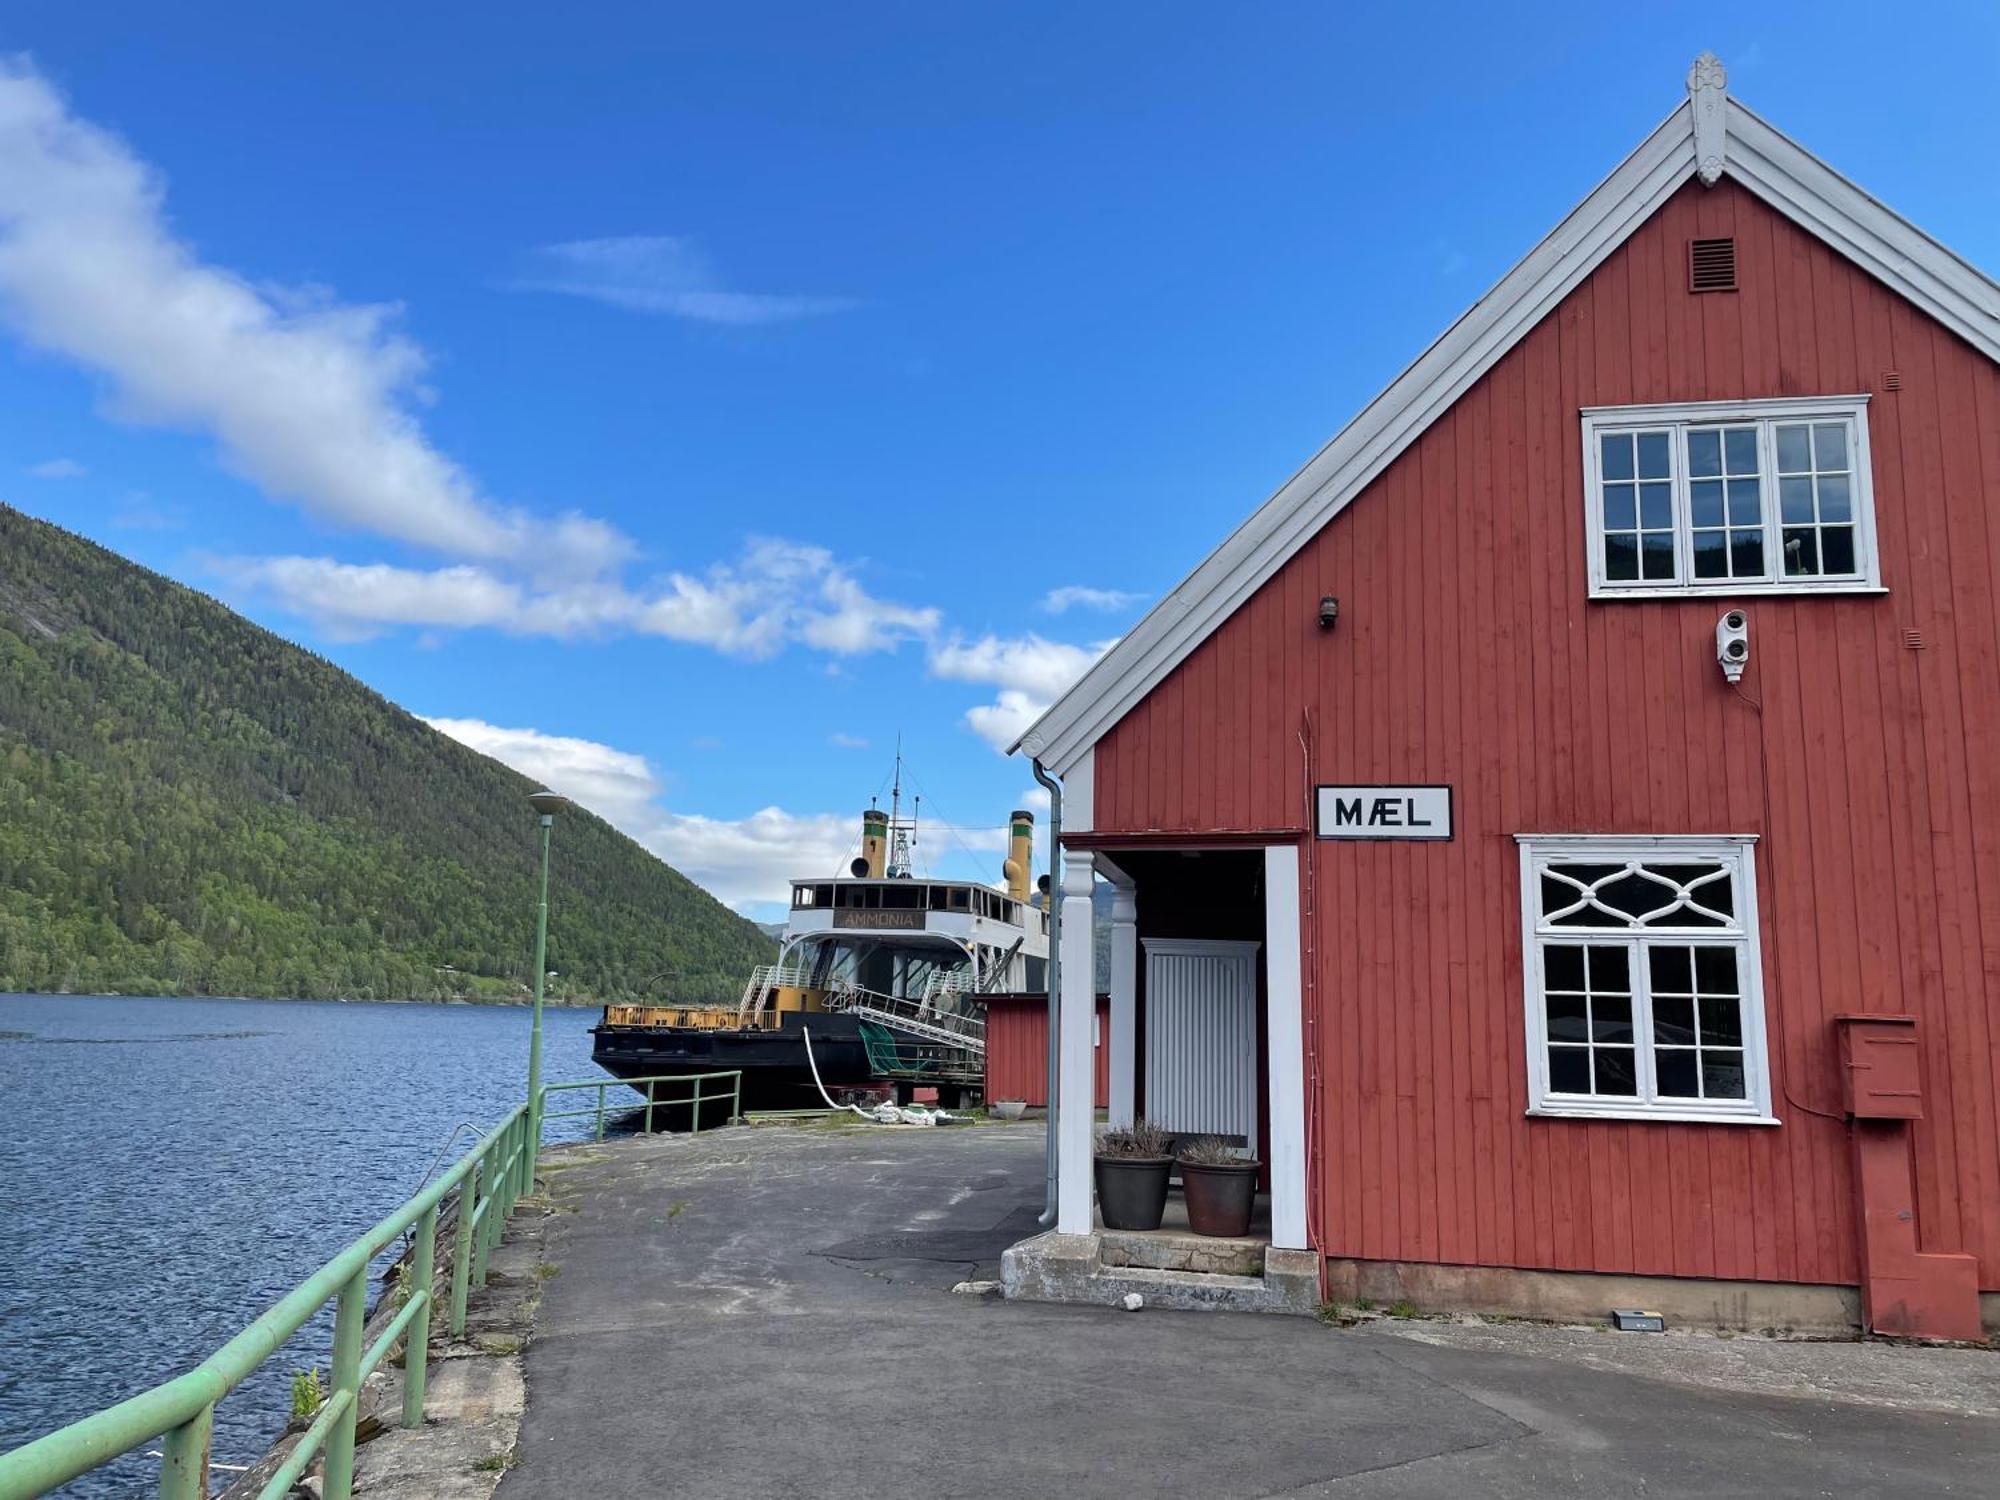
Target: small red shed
(1017, 1049)
(1598, 733)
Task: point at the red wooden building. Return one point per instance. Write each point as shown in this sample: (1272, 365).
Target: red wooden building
(1562, 825)
(1017, 1050)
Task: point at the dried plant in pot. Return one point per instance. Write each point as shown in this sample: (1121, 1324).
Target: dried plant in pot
(1220, 1186)
(1131, 1166)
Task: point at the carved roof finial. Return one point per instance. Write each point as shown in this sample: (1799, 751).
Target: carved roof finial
(1708, 97)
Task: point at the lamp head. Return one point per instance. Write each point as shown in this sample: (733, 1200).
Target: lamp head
(547, 803)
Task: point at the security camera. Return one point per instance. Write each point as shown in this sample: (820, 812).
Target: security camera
(1732, 644)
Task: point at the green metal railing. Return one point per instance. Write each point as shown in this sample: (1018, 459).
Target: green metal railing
(487, 1180)
(727, 1085)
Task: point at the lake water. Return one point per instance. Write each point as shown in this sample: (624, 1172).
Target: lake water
(169, 1168)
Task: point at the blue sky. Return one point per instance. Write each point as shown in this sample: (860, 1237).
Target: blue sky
(685, 402)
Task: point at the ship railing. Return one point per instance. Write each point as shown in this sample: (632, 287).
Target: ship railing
(765, 977)
(918, 1017)
(712, 1089)
(924, 1030)
(485, 1183)
(959, 981)
(920, 1061)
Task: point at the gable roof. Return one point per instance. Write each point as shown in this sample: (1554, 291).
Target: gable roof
(1708, 136)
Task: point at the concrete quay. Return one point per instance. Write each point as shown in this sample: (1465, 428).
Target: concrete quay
(769, 1313)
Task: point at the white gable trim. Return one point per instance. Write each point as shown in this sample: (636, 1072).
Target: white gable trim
(1774, 168)
(1365, 447)
(1868, 232)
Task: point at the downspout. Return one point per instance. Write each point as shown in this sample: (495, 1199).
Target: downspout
(1054, 969)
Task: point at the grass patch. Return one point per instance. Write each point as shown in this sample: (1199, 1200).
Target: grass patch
(308, 1395)
(497, 1463)
(1404, 1308)
(676, 1208)
(545, 1269)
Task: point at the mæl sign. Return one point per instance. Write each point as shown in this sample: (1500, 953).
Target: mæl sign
(1384, 812)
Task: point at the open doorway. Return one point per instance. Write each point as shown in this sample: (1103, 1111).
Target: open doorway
(1201, 1012)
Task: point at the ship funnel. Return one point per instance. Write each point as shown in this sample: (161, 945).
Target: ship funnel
(874, 844)
(1020, 853)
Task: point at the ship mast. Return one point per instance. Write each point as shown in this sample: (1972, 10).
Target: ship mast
(901, 834)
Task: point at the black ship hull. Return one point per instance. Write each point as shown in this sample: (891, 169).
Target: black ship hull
(776, 1073)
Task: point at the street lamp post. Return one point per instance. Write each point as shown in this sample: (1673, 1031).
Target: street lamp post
(547, 804)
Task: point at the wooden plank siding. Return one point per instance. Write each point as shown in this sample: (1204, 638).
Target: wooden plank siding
(1467, 652)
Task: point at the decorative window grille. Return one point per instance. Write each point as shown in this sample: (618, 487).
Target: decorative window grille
(1730, 497)
(1643, 987)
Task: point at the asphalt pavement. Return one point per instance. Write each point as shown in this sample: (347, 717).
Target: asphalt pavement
(767, 1313)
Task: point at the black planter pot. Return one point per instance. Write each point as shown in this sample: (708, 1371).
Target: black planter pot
(1219, 1198)
(1132, 1190)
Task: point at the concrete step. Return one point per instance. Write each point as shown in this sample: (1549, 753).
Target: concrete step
(1181, 1252)
(1076, 1268)
(1204, 1291)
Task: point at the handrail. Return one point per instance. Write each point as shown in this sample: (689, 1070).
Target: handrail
(729, 1083)
(489, 1180)
(183, 1408)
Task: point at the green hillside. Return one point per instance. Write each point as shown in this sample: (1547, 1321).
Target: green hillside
(190, 805)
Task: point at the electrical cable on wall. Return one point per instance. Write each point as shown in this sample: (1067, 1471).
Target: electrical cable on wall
(1309, 1003)
(1777, 956)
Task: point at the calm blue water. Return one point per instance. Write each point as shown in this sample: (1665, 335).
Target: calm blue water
(169, 1168)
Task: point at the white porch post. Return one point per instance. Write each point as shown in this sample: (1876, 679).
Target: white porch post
(1283, 965)
(1076, 1079)
(1123, 1041)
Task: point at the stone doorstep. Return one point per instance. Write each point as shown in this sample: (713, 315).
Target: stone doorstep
(1074, 1268)
(1164, 1250)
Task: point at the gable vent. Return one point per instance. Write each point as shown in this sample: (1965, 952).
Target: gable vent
(1712, 265)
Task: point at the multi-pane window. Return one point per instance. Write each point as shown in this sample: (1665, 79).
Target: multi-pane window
(1816, 497)
(1729, 497)
(1638, 491)
(1642, 986)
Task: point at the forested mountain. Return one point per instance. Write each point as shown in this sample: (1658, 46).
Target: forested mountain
(190, 805)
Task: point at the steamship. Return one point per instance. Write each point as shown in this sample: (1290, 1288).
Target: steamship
(879, 982)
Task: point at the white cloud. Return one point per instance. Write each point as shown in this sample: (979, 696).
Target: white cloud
(775, 594)
(1079, 596)
(58, 468)
(657, 273)
(308, 398)
(754, 859)
(1028, 662)
(617, 785)
(778, 592)
(847, 741)
(138, 511)
(1029, 672)
(743, 861)
(354, 601)
(1002, 722)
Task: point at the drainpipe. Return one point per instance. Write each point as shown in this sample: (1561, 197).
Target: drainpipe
(1054, 969)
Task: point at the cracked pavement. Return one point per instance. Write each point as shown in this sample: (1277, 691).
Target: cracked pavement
(767, 1313)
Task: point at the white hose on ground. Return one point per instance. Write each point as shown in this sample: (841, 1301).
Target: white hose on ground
(882, 1114)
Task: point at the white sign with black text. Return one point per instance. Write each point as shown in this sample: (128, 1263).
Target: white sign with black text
(1384, 812)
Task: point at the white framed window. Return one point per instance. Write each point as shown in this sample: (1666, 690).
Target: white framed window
(1643, 981)
(1730, 497)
